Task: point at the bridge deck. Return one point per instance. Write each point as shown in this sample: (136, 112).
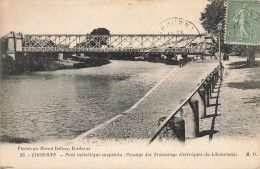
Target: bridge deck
(114, 43)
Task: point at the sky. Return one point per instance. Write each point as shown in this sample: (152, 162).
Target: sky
(82, 16)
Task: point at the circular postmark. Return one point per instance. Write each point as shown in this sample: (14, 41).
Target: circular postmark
(177, 26)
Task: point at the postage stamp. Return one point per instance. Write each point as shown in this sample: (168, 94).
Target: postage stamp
(243, 22)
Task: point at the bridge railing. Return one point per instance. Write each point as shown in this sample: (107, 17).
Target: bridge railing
(4, 43)
(204, 89)
(129, 50)
(139, 43)
(113, 42)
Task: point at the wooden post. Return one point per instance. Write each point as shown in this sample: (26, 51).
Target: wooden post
(214, 77)
(215, 74)
(178, 127)
(211, 77)
(203, 111)
(191, 117)
(209, 86)
(205, 86)
(194, 104)
(175, 129)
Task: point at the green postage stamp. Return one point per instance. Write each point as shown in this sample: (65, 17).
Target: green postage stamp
(243, 22)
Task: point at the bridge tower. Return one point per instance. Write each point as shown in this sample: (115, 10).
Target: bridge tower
(13, 43)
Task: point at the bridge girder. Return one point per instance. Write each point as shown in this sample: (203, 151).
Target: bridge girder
(114, 43)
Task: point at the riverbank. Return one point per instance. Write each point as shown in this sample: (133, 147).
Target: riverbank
(33, 62)
(47, 62)
(140, 121)
(237, 115)
(234, 111)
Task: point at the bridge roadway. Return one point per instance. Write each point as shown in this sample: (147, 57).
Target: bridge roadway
(114, 43)
(141, 120)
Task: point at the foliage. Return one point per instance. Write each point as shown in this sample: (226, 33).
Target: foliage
(100, 31)
(7, 65)
(244, 50)
(10, 139)
(213, 14)
(92, 43)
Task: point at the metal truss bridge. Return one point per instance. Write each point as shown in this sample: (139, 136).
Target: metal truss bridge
(192, 44)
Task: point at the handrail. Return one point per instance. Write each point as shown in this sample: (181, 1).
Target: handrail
(197, 35)
(164, 123)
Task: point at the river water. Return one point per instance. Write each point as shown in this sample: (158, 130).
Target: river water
(62, 104)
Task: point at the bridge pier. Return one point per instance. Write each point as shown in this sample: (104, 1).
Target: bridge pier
(60, 56)
(14, 44)
(11, 45)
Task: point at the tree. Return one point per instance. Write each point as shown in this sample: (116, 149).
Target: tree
(249, 52)
(7, 65)
(100, 31)
(215, 13)
(101, 41)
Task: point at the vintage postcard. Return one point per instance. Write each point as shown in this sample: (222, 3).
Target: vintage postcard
(129, 84)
